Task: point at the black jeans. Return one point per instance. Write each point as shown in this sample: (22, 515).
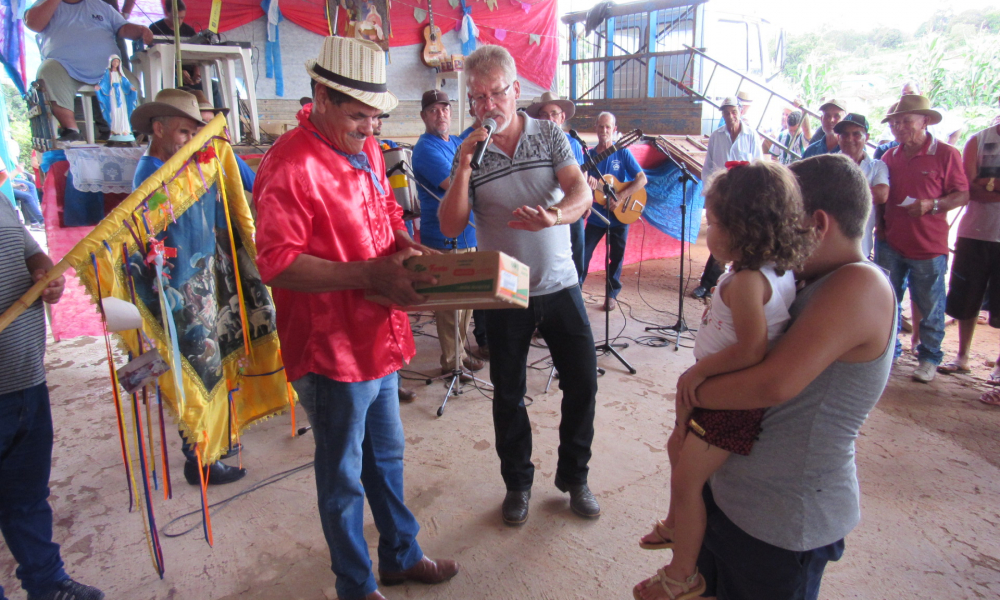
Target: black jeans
(562, 320)
(713, 270)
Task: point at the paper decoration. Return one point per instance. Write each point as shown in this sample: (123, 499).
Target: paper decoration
(419, 14)
(121, 315)
(525, 7)
(500, 34)
(453, 3)
(492, 4)
(534, 38)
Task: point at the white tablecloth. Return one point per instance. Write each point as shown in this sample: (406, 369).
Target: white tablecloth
(100, 169)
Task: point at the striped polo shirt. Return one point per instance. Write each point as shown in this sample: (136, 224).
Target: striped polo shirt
(22, 344)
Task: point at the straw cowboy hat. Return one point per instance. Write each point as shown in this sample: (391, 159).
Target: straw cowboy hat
(912, 104)
(567, 106)
(167, 103)
(204, 104)
(353, 67)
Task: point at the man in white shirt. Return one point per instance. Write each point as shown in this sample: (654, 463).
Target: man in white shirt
(852, 135)
(735, 141)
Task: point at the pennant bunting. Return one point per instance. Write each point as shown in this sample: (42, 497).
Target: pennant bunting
(419, 14)
(500, 34)
(534, 38)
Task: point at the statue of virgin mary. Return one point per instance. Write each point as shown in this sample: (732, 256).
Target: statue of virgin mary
(117, 98)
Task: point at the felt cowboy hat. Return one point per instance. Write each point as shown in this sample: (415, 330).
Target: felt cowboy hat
(567, 106)
(204, 104)
(353, 67)
(167, 103)
(912, 104)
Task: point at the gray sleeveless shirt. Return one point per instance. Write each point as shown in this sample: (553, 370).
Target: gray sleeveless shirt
(798, 488)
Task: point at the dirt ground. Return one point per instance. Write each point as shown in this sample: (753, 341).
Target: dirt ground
(928, 462)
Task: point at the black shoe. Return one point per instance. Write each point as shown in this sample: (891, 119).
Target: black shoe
(218, 473)
(581, 500)
(699, 292)
(406, 396)
(70, 590)
(234, 451)
(69, 135)
(515, 507)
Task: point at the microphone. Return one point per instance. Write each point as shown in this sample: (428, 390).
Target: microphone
(576, 136)
(477, 154)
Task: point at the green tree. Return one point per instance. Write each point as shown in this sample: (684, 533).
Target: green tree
(17, 116)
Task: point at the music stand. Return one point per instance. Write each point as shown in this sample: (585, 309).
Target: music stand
(680, 327)
(609, 194)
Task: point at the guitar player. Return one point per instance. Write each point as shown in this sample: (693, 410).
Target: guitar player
(623, 166)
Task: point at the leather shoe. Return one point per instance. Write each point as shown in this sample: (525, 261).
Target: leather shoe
(218, 473)
(515, 507)
(426, 571)
(473, 364)
(406, 396)
(233, 452)
(609, 304)
(581, 500)
(699, 292)
(483, 351)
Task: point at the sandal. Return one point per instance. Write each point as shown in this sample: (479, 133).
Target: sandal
(991, 398)
(692, 587)
(953, 367)
(994, 378)
(663, 537)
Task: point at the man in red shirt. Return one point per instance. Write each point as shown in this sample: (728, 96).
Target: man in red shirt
(926, 180)
(328, 229)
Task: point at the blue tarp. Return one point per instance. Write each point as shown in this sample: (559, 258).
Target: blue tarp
(663, 203)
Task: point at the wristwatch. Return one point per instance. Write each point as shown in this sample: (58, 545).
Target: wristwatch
(937, 206)
(989, 184)
(558, 212)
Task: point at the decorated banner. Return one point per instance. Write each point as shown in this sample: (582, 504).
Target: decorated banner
(187, 234)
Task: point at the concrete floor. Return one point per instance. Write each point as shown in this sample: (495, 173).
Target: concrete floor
(928, 461)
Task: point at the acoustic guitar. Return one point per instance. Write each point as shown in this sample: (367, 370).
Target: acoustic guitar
(434, 53)
(629, 209)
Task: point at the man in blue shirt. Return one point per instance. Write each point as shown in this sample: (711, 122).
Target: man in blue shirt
(551, 107)
(76, 39)
(432, 158)
(834, 112)
(626, 169)
(171, 120)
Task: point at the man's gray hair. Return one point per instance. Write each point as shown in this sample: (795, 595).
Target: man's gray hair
(605, 113)
(491, 60)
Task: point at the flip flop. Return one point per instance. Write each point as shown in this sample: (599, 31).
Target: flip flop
(991, 398)
(663, 534)
(953, 367)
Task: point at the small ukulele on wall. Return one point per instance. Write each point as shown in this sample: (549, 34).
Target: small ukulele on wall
(434, 53)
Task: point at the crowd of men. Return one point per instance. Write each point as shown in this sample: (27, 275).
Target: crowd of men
(330, 230)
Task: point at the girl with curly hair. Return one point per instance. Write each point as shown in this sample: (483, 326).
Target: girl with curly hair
(754, 213)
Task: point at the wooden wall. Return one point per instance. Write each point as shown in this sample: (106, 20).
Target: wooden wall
(666, 116)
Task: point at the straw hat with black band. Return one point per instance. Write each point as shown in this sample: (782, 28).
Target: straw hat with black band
(567, 106)
(355, 68)
(167, 103)
(912, 104)
(203, 103)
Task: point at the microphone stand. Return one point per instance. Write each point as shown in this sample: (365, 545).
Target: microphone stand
(609, 195)
(680, 327)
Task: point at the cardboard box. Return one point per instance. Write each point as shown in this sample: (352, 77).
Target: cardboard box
(470, 280)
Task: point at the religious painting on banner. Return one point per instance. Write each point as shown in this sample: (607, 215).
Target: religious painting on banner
(369, 20)
(181, 249)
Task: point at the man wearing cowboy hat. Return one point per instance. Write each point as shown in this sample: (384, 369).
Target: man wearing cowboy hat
(551, 107)
(208, 112)
(329, 229)
(171, 120)
(528, 187)
(927, 180)
(432, 157)
(976, 267)
(734, 141)
(825, 140)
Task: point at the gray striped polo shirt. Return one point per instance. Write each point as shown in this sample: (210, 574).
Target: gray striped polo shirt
(22, 344)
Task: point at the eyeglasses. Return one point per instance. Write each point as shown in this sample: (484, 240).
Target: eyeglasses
(549, 115)
(496, 97)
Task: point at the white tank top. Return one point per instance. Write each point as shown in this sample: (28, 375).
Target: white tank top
(717, 330)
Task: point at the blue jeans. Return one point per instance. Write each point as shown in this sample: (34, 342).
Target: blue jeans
(29, 206)
(25, 514)
(926, 282)
(738, 566)
(359, 450)
(578, 239)
(562, 320)
(618, 237)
